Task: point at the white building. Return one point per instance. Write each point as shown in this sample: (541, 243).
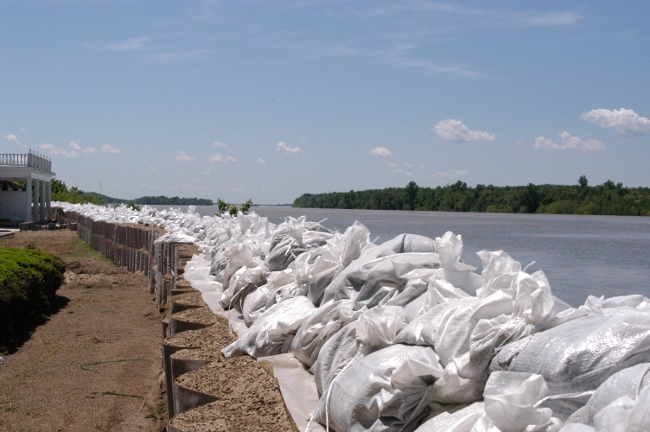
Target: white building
(25, 188)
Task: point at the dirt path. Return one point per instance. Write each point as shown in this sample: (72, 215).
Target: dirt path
(96, 364)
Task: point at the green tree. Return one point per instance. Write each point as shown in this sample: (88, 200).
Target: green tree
(529, 200)
(583, 182)
(411, 193)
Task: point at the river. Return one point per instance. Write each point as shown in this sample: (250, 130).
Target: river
(580, 255)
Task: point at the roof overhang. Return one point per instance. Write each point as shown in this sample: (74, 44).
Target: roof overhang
(18, 173)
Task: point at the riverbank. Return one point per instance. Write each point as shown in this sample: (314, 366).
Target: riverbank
(57, 380)
(96, 364)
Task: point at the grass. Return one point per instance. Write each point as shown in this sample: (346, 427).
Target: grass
(81, 249)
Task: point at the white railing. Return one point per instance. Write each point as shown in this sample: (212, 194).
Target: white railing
(30, 160)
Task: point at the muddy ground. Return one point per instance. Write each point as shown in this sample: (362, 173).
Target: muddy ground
(96, 363)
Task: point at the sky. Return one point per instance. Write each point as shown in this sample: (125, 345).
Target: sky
(272, 99)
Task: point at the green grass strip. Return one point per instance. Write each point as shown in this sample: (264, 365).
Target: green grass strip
(83, 366)
(120, 394)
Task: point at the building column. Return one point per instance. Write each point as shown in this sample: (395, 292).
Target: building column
(35, 195)
(42, 207)
(48, 199)
(28, 200)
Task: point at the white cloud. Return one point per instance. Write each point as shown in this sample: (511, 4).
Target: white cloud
(408, 165)
(568, 142)
(219, 158)
(390, 164)
(59, 151)
(181, 56)
(145, 185)
(454, 174)
(261, 161)
(206, 172)
(152, 167)
(74, 145)
(625, 121)
(427, 175)
(136, 44)
(89, 150)
(13, 138)
(106, 148)
(183, 157)
(381, 151)
(455, 131)
(303, 138)
(282, 148)
(219, 144)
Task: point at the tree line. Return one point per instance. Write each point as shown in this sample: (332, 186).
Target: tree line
(61, 192)
(605, 199)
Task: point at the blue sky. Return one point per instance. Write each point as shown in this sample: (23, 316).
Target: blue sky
(269, 100)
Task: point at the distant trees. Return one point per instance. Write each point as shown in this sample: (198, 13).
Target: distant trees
(163, 200)
(60, 192)
(605, 199)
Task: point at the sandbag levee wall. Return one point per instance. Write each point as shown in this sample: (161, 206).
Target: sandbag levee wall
(134, 247)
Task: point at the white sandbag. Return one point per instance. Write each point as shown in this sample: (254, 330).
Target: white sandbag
(625, 414)
(286, 292)
(576, 427)
(449, 247)
(615, 304)
(292, 238)
(284, 253)
(417, 283)
(317, 268)
(378, 327)
(454, 420)
(448, 284)
(378, 281)
(242, 282)
(628, 382)
(372, 330)
(255, 303)
(580, 355)
(511, 402)
(404, 243)
(499, 270)
(383, 391)
(323, 323)
(335, 354)
(342, 288)
(273, 331)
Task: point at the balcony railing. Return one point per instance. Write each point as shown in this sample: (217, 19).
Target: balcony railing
(29, 160)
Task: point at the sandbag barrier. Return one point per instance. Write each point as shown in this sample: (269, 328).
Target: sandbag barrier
(434, 335)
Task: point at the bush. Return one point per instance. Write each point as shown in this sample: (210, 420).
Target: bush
(29, 279)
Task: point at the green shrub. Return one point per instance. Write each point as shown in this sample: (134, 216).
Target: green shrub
(29, 279)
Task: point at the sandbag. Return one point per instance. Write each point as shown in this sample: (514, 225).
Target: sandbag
(371, 330)
(578, 356)
(273, 331)
(335, 354)
(383, 391)
(241, 283)
(255, 303)
(625, 414)
(454, 420)
(404, 243)
(323, 323)
(628, 382)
